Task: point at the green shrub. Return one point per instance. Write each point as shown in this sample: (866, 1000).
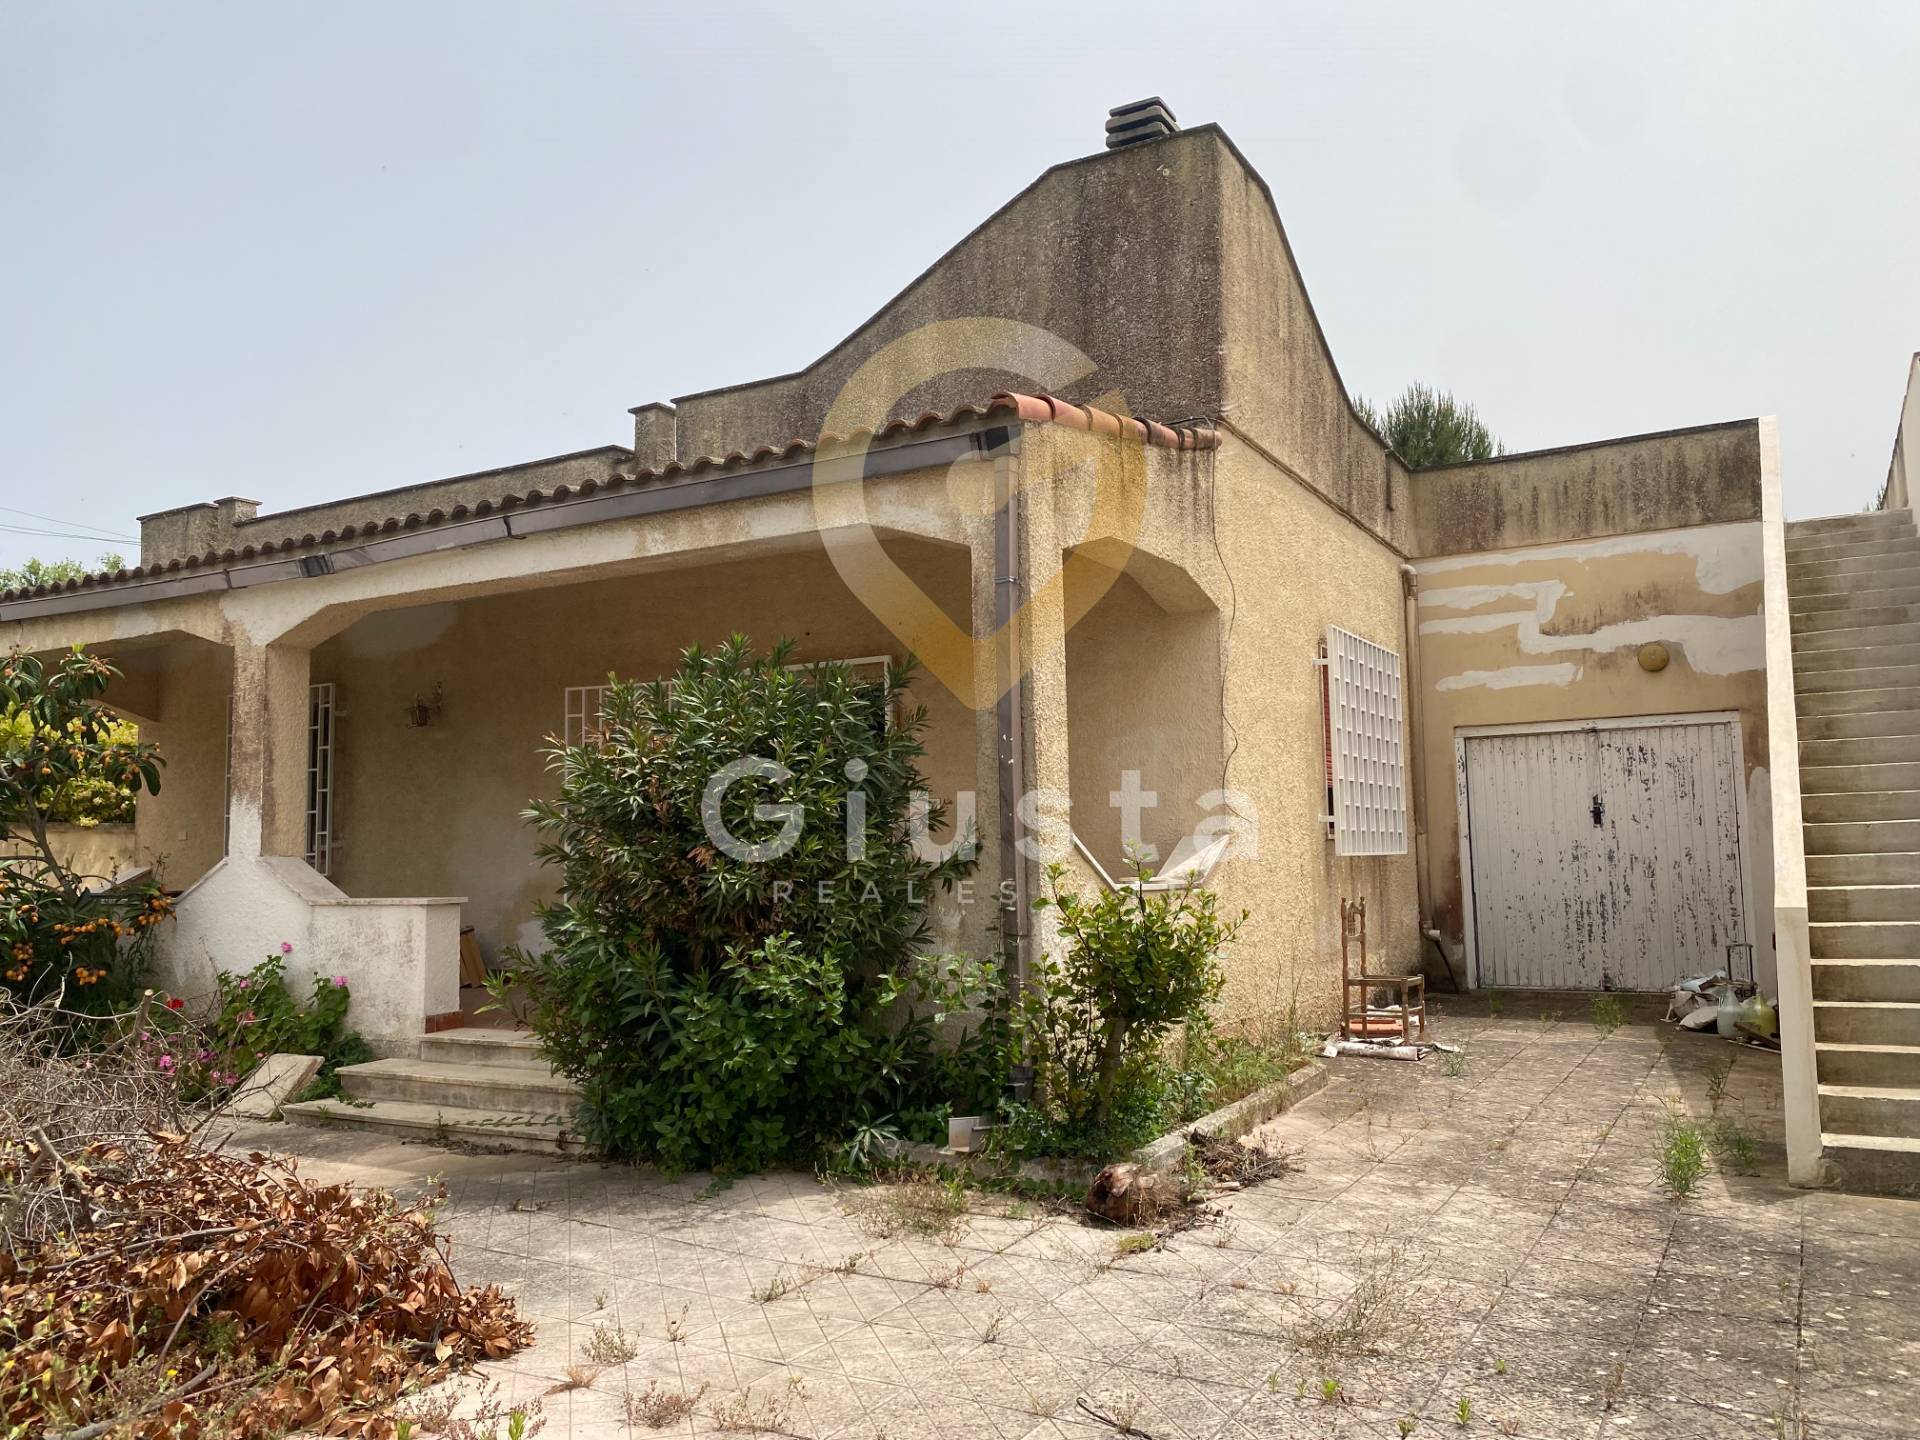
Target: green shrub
(255, 1015)
(1137, 965)
(735, 1004)
(64, 934)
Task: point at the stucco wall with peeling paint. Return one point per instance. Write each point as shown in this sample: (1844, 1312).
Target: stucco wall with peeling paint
(1555, 632)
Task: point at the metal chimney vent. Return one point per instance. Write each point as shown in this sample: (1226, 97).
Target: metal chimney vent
(1147, 119)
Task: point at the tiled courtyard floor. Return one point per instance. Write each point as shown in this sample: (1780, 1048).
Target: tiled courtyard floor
(1547, 1283)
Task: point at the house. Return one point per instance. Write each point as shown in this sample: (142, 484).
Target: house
(1097, 468)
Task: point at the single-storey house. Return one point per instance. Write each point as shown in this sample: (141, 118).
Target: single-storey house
(1096, 467)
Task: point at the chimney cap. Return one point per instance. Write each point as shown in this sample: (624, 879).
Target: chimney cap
(1139, 120)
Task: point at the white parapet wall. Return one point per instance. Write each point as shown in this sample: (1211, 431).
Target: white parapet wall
(400, 957)
(1793, 953)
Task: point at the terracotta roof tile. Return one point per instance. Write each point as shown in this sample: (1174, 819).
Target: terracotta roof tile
(1033, 409)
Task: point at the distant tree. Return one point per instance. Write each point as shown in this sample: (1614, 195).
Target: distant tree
(1428, 427)
(53, 572)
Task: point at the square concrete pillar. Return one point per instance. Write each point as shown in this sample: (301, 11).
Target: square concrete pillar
(267, 791)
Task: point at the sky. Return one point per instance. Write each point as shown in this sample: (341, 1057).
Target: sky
(302, 252)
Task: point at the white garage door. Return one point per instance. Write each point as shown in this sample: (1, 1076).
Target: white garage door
(1604, 857)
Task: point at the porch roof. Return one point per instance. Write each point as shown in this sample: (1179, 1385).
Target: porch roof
(1031, 409)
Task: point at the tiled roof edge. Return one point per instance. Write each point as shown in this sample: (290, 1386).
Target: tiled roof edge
(1032, 409)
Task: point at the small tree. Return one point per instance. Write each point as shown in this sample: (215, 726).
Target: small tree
(62, 931)
(1427, 427)
(1138, 964)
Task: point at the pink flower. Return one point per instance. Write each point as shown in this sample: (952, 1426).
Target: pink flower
(286, 947)
(166, 1063)
(247, 1017)
(204, 1056)
(339, 982)
(245, 985)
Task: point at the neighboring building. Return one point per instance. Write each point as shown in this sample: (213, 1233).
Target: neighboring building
(1551, 715)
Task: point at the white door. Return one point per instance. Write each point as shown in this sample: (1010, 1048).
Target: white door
(1605, 856)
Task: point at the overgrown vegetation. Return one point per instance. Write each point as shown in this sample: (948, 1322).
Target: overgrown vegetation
(1682, 1152)
(1609, 1014)
(1139, 965)
(79, 938)
(255, 1015)
(149, 1287)
(734, 972)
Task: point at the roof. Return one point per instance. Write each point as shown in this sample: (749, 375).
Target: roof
(1032, 409)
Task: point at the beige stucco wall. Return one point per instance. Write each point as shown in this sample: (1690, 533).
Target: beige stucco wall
(98, 850)
(1298, 565)
(436, 810)
(1554, 632)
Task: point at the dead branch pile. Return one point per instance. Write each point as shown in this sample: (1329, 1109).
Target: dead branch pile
(220, 1295)
(1235, 1162)
(217, 1295)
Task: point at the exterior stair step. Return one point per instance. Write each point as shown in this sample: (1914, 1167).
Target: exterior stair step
(1869, 837)
(1808, 663)
(1857, 702)
(475, 1085)
(1867, 979)
(1841, 903)
(1842, 807)
(499, 1129)
(1859, 637)
(1861, 522)
(1870, 724)
(1865, 940)
(480, 1044)
(1867, 677)
(1866, 1022)
(1881, 1164)
(1894, 868)
(1877, 594)
(1853, 779)
(1860, 619)
(1808, 586)
(1859, 750)
(1843, 1064)
(1871, 1109)
(1853, 548)
(1814, 562)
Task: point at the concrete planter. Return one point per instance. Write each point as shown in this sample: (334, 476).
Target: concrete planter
(1164, 1155)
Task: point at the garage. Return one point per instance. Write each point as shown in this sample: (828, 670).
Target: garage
(1604, 855)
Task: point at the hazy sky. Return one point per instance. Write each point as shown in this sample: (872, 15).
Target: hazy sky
(304, 251)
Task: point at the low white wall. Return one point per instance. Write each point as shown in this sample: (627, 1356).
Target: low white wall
(103, 850)
(401, 957)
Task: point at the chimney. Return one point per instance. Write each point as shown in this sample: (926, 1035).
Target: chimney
(1141, 120)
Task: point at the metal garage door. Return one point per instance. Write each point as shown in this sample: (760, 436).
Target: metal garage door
(1604, 857)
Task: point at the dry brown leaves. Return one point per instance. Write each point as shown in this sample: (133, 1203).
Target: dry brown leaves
(1237, 1162)
(220, 1295)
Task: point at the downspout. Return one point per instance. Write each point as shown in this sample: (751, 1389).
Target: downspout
(1416, 768)
(1009, 591)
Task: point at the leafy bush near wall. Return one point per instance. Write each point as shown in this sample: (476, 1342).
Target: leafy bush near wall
(64, 934)
(1138, 967)
(736, 1004)
(255, 1015)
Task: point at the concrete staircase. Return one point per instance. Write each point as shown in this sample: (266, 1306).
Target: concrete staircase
(1853, 585)
(473, 1086)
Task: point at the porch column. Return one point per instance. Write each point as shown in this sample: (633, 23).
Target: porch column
(266, 796)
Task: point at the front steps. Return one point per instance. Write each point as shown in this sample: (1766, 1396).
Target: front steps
(1853, 586)
(472, 1086)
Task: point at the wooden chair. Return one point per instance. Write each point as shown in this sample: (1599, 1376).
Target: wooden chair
(1356, 1021)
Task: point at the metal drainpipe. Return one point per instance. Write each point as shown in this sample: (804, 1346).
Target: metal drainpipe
(1416, 771)
(1009, 588)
